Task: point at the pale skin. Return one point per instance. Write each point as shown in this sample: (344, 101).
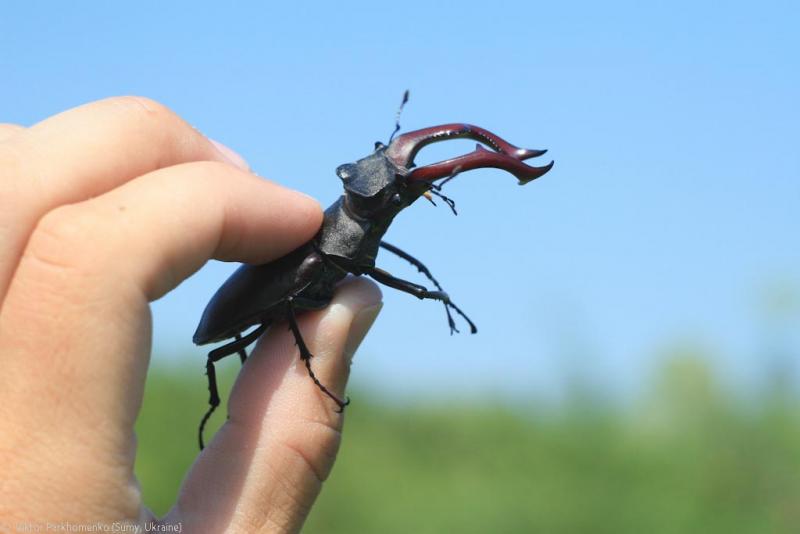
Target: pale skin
(105, 208)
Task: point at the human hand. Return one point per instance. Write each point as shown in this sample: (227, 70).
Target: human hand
(105, 208)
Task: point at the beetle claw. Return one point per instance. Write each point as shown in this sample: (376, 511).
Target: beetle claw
(343, 404)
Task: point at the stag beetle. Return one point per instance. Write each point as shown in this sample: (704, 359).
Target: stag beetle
(376, 189)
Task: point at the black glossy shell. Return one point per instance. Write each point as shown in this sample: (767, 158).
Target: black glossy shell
(253, 293)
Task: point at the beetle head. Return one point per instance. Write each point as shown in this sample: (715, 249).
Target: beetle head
(368, 176)
(386, 181)
(376, 187)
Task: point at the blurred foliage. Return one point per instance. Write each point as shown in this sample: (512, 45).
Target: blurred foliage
(687, 458)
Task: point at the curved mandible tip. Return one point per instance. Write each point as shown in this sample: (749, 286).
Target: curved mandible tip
(506, 156)
(478, 159)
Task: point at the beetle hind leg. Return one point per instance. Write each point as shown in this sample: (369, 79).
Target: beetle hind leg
(236, 346)
(306, 356)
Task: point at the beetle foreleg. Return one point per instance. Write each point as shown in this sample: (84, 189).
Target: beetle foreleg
(421, 292)
(216, 355)
(306, 356)
(417, 290)
(424, 270)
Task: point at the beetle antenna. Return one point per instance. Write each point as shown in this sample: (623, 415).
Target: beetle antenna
(438, 187)
(397, 117)
(452, 175)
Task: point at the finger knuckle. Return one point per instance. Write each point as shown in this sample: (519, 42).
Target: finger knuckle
(140, 105)
(60, 239)
(317, 447)
(8, 130)
(162, 126)
(159, 120)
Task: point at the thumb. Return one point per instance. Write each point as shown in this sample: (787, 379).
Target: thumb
(265, 467)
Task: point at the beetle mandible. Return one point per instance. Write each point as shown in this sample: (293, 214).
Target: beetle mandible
(376, 189)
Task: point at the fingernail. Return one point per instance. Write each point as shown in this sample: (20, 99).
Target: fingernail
(359, 328)
(232, 157)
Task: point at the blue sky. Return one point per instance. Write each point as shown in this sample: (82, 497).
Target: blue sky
(670, 218)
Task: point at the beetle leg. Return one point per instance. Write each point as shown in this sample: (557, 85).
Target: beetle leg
(242, 352)
(238, 344)
(421, 292)
(213, 400)
(417, 290)
(216, 355)
(424, 270)
(306, 356)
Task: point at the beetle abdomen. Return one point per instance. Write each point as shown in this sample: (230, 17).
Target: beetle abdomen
(252, 294)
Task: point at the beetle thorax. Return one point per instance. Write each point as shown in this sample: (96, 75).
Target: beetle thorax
(374, 193)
